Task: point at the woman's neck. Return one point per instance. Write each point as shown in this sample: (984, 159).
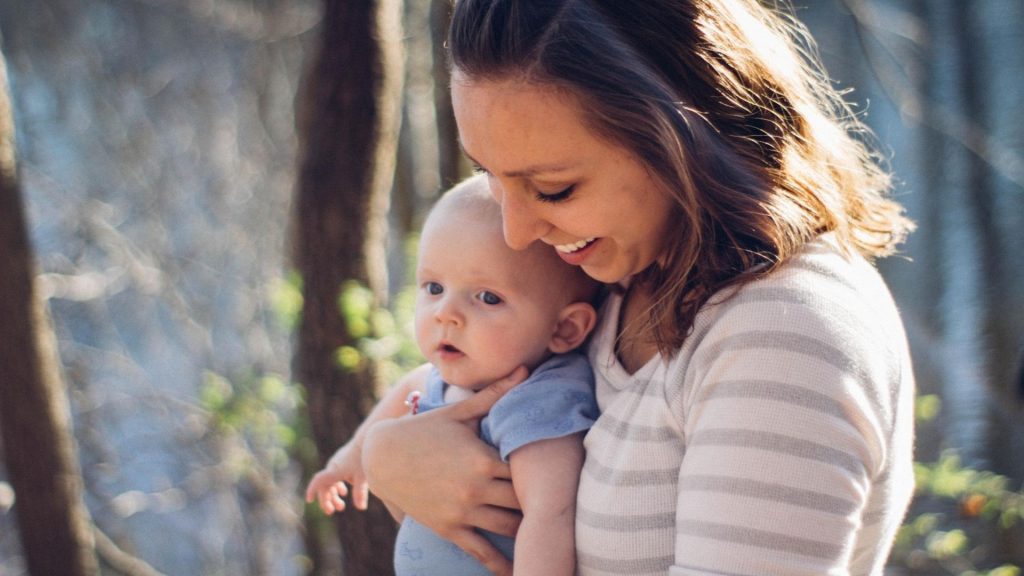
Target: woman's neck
(632, 349)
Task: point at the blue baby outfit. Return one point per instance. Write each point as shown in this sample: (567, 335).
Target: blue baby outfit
(556, 400)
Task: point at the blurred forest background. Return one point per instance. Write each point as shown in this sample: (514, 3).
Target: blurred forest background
(212, 189)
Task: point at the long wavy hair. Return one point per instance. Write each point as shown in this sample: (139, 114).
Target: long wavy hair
(729, 108)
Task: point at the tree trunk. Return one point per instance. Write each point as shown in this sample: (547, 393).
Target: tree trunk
(997, 324)
(34, 414)
(453, 165)
(934, 175)
(348, 129)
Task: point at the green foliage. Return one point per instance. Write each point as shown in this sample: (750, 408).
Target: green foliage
(355, 303)
(927, 407)
(258, 411)
(285, 300)
(384, 335)
(962, 507)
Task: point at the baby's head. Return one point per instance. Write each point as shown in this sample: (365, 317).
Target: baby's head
(482, 309)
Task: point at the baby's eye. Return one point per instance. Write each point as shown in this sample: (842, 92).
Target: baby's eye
(489, 298)
(433, 288)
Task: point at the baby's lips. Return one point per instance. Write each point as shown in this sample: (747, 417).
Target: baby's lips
(446, 347)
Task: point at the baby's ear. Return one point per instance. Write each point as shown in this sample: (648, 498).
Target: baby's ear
(575, 322)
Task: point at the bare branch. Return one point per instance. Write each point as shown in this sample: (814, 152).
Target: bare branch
(118, 559)
(918, 107)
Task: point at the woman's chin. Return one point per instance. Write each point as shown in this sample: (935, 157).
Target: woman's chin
(604, 274)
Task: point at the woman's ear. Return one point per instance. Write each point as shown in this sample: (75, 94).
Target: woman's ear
(575, 322)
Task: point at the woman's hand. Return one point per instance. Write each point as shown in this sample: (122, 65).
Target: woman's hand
(436, 469)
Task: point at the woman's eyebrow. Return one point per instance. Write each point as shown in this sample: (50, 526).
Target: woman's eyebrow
(523, 172)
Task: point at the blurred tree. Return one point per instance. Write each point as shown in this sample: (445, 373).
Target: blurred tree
(933, 151)
(348, 126)
(451, 159)
(997, 326)
(34, 415)
(417, 177)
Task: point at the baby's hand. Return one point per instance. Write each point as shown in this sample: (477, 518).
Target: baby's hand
(329, 485)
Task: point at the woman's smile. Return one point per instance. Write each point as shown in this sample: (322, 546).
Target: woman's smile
(577, 253)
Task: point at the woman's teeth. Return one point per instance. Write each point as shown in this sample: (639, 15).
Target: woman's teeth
(570, 248)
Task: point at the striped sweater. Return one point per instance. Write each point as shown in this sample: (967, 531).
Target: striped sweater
(778, 440)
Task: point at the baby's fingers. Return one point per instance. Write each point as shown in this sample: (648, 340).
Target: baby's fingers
(320, 482)
(313, 488)
(332, 499)
(360, 494)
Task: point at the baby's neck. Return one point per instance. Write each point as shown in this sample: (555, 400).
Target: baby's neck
(454, 393)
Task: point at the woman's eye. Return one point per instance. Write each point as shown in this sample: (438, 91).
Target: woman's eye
(433, 288)
(556, 196)
(489, 298)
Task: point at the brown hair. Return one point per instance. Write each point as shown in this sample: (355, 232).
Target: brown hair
(726, 104)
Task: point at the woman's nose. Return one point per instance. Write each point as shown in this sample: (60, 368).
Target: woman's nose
(520, 225)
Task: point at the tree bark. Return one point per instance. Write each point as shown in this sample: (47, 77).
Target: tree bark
(34, 414)
(453, 165)
(348, 129)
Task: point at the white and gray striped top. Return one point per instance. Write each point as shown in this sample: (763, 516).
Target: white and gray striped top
(778, 440)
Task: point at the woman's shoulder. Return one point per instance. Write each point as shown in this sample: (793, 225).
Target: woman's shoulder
(821, 297)
(819, 338)
(820, 267)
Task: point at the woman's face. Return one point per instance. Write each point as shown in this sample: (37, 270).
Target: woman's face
(557, 181)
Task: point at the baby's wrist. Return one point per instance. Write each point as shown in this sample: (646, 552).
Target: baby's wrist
(346, 452)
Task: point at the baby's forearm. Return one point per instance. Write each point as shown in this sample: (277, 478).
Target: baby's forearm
(392, 405)
(545, 545)
(545, 475)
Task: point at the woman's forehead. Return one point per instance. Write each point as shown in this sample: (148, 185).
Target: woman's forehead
(532, 126)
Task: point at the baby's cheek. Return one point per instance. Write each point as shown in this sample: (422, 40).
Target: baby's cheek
(528, 354)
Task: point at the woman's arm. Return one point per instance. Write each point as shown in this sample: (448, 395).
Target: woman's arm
(436, 469)
(799, 435)
(546, 475)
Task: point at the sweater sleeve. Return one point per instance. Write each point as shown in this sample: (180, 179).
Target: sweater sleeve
(786, 419)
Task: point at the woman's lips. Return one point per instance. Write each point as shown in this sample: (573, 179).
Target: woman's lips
(577, 256)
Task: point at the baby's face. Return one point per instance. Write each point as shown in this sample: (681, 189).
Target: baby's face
(482, 309)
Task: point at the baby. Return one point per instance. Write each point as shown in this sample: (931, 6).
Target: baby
(482, 310)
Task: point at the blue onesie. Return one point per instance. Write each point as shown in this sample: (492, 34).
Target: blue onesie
(556, 400)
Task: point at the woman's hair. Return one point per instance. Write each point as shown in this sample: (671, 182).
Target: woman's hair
(726, 104)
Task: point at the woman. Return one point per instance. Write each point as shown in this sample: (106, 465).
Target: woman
(751, 368)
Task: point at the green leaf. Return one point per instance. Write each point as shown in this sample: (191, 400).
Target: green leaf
(348, 358)
(927, 407)
(285, 299)
(355, 303)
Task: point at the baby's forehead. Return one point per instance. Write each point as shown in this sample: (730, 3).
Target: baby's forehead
(534, 264)
(472, 205)
(469, 216)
